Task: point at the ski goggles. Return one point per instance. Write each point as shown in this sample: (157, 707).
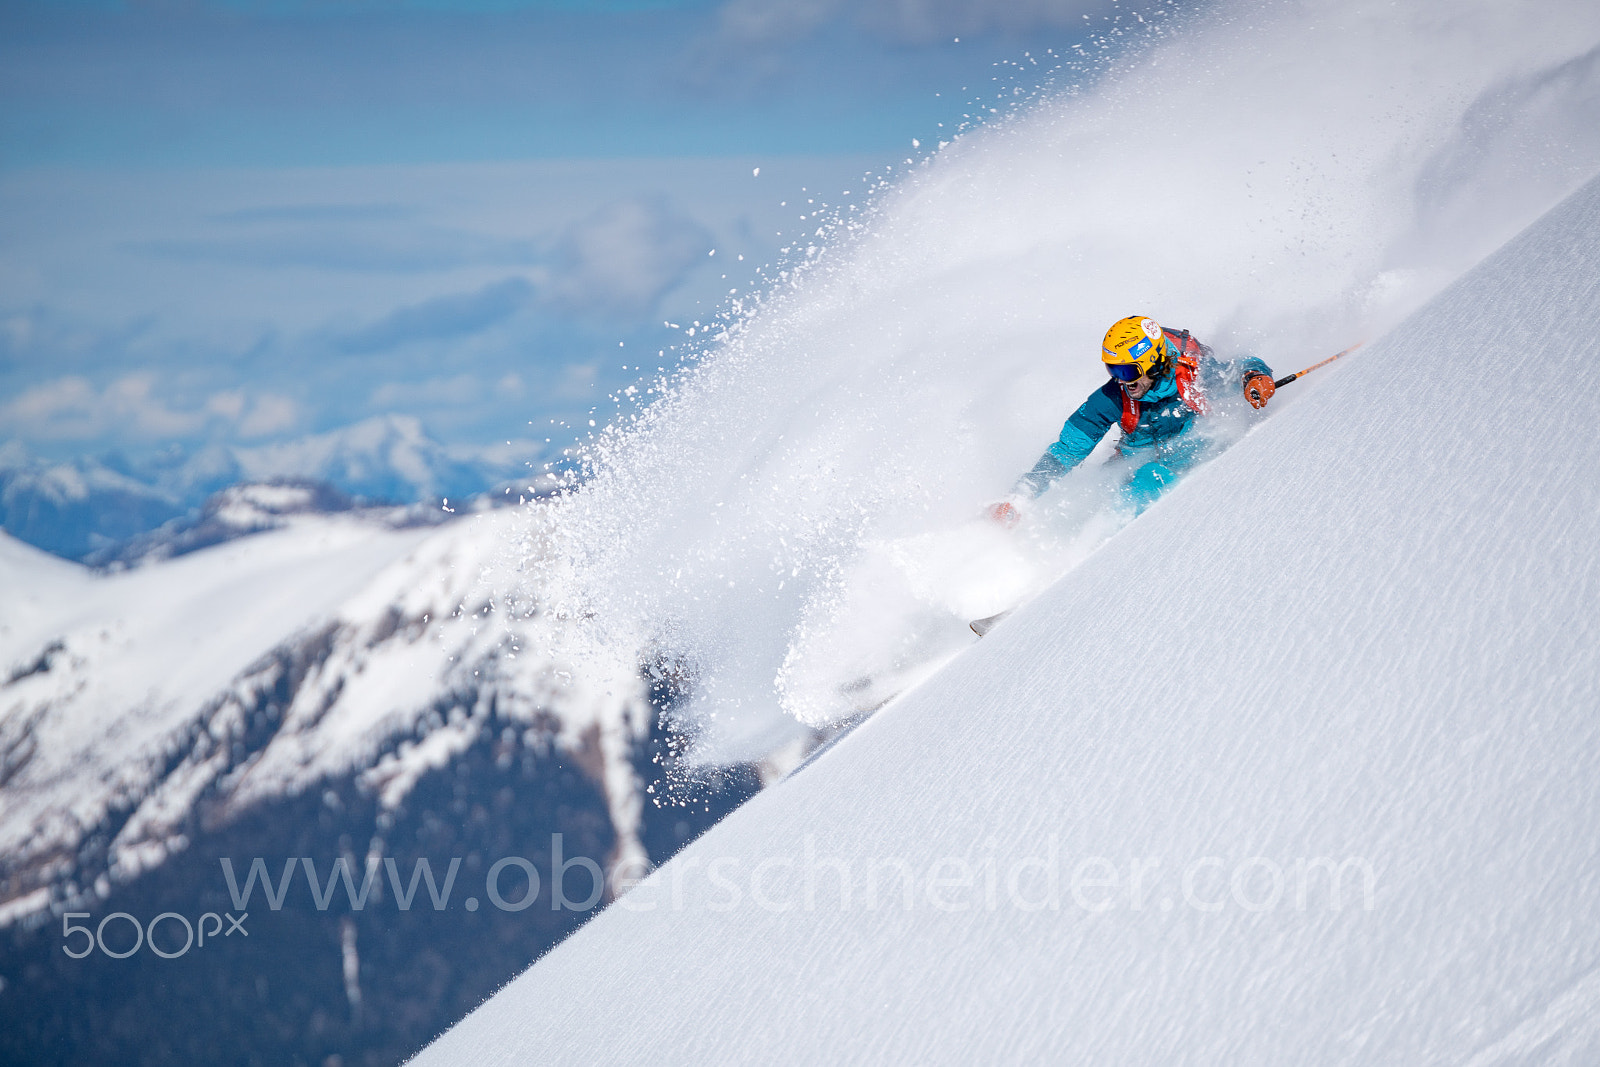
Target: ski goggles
(1125, 372)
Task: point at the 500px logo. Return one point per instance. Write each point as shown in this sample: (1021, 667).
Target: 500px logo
(145, 935)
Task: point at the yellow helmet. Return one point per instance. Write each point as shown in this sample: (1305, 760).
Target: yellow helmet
(1134, 347)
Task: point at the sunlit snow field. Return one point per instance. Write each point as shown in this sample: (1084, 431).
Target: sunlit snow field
(1361, 641)
(794, 522)
(1334, 804)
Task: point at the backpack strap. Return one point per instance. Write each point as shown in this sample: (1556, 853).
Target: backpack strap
(1130, 411)
(1182, 343)
(1186, 368)
(1189, 391)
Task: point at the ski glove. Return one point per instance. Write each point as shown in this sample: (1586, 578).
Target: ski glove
(1258, 389)
(1005, 513)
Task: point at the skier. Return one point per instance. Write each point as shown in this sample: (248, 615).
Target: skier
(1160, 380)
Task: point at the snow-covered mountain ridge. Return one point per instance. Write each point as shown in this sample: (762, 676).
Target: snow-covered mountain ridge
(259, 668)
(256, 507)
(1363, 640)
(90, 508)
(339, 685)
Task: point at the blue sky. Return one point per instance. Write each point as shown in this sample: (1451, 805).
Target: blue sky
(241, 222)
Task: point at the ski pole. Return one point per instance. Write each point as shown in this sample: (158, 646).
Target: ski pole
(1281, 382)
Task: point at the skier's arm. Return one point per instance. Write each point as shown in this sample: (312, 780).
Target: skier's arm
(1223, 376)
(1251, 366)
(1082, 431)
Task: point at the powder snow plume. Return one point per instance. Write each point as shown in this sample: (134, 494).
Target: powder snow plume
(791, 523)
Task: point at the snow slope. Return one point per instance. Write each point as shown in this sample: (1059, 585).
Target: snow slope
(112, 669)
(1367, 633)
(1283, 178)
(258, 668)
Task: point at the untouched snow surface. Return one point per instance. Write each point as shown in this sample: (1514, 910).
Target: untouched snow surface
(1366, 636)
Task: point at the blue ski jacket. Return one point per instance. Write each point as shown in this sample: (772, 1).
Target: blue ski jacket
(1165, 415)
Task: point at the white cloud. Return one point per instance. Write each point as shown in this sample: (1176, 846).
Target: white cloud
(624, 257)
(774, 21)
(270, 414)
(577, 382)
(779, 22)
(71, 408)
(367, 246)
(17, 332)
(460, 390)
(61, 401)
(228, 404)
(619, 260)
(450, 315)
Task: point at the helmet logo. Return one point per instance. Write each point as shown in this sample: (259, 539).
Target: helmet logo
(1140, 348)
(1151, 330)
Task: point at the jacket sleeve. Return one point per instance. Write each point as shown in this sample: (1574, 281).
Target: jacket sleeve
(1227, 376)
(1250, 366)
(1082, 431)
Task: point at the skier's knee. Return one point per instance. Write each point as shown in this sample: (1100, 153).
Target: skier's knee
(1148, 483)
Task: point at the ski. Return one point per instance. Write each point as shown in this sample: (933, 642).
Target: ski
(983, 626)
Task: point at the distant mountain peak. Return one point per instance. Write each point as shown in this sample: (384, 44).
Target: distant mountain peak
(94, 508)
